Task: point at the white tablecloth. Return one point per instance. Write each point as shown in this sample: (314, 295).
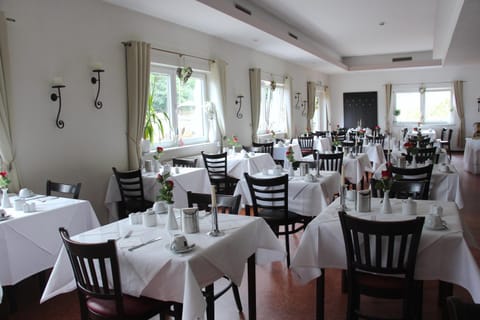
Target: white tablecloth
(154, 271)
(30, 242)
(375, 154)
(356, 167)
(305, 198)
(425, 132)
(323, 144)
(238, 164)
(188, 179)
(280, 153)
(444, 186)
(442, 255)
(471, 156)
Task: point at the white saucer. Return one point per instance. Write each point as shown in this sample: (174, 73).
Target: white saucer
(5, 218)
(442, 227)
(187, 249)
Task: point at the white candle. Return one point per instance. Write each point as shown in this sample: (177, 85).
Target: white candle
(342, 178)
(214, 196)
(57, 81)
(97, 65)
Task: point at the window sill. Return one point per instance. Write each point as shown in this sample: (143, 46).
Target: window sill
(183, 151)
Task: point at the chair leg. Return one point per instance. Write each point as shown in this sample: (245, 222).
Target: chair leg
(287, 245)
(209, 297)
(236, 295)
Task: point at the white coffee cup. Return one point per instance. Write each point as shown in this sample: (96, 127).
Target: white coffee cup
(3, 213)
(24, 193)
(179, 243)
(436, 210)
(19, 204)
(149, 218)
(433, 221)
(148, 166)
(409, 207)
(351, 194)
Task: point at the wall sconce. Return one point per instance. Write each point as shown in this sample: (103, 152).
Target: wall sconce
(478, 103)
(239, 102)
(297, 98)
(304, 108)
(98, 69)
(58, 84)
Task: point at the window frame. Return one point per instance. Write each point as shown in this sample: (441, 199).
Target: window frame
(422, 89)
(172, 105)
(267, 83)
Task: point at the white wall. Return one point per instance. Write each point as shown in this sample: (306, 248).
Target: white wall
(63, 38)
(375, 81)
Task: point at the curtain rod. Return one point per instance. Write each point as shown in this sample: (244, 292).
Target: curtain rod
(272, 74)
(425, 82)
(175, 53)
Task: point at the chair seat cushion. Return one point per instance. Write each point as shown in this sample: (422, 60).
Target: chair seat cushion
(133, 307)
(275, 217)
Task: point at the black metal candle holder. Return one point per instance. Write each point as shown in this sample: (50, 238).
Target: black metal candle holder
(239, 102)
(98, 104)
(54, 96)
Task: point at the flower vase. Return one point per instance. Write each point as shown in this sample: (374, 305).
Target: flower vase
(5, 199)
(386, 205)
(171, 220)
(291, 172)
(414, 161)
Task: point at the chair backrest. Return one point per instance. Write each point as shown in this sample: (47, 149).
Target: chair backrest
(319, 134)
(380, 247)
(331, 161)
(264, 147)
(404, 132)
(186, 163)
(96, 271)
(269, 194)
(225, 203)
(216, 164)
(379, 139)
(130, 184)
(305, 143)
(65, 189)
(422, 141)
(402, 189)
(459, 310)
(446, 134)
(424, 154)
(420, 173)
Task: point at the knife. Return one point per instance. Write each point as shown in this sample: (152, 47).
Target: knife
(144, 243)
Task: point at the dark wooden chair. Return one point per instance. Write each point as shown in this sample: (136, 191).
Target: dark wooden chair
(216, 165)
(306, 145)
(264, 147)
(445, 139)
(415, 174)
(380, 139)
(420, 142)
(185, 163)
(331, 161)
(459, 310)
(101, 296)
(130, 184)
(226, 204)
(320, 134)
(424, 154)
(270, 201)
(381, 259)
(402, 189)
(72, 190)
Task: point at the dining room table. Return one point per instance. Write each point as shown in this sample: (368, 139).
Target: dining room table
(356, 166)
(471, 156)
(375, 153)
(280, 153)
(443, 253)
(184, 179)
(155, 271)
(30, 242)
(241, 162)
(305, 196)
(444, 183)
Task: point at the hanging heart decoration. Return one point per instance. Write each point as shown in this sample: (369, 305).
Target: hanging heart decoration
(184, 73)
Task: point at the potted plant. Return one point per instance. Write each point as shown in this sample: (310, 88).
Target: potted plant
(152, 120)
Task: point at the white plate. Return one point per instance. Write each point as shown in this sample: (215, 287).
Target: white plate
(187, 249)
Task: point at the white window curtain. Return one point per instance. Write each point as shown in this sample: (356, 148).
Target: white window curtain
(138, 86)
(329, 108)
(287, 100)
(458, 96)
(322, 123)
(311, 91)
(388, 105)
(217, 93)
(255, 99)
(6, 142)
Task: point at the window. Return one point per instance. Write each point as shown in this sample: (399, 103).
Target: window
(424, 104)
(180, 106)
(273, 114)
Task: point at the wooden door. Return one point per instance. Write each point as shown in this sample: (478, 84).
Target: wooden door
(360, 106)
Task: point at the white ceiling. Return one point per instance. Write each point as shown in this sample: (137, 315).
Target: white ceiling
(335, 35)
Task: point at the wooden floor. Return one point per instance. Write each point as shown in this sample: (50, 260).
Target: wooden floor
(279, 295)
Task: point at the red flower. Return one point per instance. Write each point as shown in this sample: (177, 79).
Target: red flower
(235, 139)
(385, 174)
(408, 145)
(159, 149)
(160, 178)
(377, 127)
(3, 174)
(169, 184)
